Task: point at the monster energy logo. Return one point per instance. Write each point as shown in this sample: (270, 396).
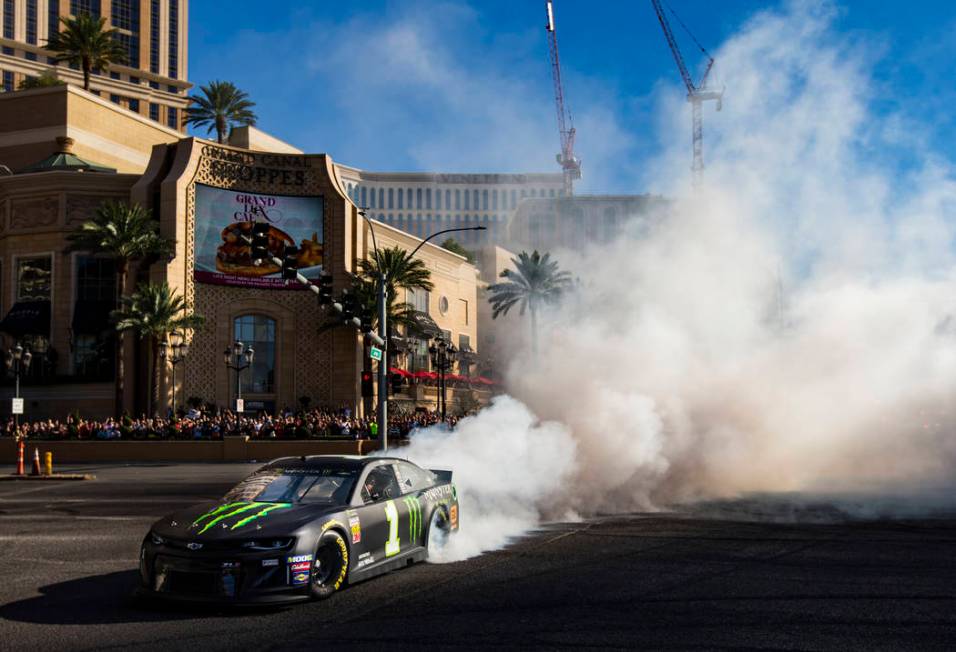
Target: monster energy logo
(221, 513)
(414, 517)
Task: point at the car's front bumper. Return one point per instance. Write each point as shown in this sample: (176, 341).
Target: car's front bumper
(221, 577)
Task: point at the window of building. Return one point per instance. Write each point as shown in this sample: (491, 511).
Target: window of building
(115, 99)
(173, 41)
(114, 75)
(91, 7)
(8, 18)
(134, 80)
(438, 199)
(494, 200)
(154, 111)
(32, 23)
(154, 38)
(391, 198)
(475, 198)
(551, 192)
(418, 198)
(34, 278)
(172, 117)
(428, 199)
(172, 89)
(134, 105)
(381, 198)
(121, 14)
(52, 19)
(447, 199)
(363, 194)
(467, 200)
(514, 199)
(258, 332)
(92, 334)
(484, 200)
(400, 198)
(7, 81)
(463, 306)
(7, 50)
(457, 200)
(154, 84)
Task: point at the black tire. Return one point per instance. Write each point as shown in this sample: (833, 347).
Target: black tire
(438, 532)
(330, 565)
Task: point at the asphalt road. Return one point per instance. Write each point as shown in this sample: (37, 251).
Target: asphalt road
(68, 556)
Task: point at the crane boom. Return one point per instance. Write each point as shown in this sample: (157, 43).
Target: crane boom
(570, 164)
(696, 93)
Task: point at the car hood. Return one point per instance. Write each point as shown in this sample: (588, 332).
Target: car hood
(238, 520)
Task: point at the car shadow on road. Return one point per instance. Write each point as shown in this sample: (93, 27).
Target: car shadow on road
(99, 599)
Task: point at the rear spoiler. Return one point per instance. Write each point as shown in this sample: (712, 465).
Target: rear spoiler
(443, 476)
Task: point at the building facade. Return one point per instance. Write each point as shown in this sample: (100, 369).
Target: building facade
(154, 33)
(422, 203)
(57, 303)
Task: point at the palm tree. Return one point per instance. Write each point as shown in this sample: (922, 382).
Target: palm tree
(46, 79)
(154, 312)
(85, 42)
(126, 233)
(401, 271)
(220, 106)
(535, 281)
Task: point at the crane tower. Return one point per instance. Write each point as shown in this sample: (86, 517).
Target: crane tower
(570, 164)
(697, 93)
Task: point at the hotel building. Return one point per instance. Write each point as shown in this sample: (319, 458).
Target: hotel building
(154, 33)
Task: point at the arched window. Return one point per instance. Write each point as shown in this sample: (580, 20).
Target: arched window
(484, 200)
(363, 195)
(381, 197)
(401, 201)
(391, 198)
(447, 200)
(258, 332)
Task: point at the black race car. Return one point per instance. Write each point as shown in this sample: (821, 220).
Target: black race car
(300, 528)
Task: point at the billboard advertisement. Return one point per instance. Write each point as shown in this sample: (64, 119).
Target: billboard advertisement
(223, 257)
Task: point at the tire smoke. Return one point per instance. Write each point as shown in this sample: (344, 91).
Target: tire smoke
(789, 327)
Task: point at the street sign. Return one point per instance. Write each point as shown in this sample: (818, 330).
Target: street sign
(240, 405)
(17, 406)
(375, 353)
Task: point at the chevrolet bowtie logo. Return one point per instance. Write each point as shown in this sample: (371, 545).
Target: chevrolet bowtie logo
(194, 546)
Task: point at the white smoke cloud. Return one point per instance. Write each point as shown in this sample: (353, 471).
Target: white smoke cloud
(788, 328)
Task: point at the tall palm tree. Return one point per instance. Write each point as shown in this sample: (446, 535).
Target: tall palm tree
(86, 42)
(401, 271)
(154, 312)
(126, 233)
(534, 282)
(220, 106)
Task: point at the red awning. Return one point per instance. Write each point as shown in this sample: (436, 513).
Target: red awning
(401, 372)
(485, 381)
(425, 375)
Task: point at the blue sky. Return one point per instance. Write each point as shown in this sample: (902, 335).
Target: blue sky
(466, 86)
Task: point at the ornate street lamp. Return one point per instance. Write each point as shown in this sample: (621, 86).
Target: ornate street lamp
(17, 360)
(174, 351)
(238, 360)
(443, 354)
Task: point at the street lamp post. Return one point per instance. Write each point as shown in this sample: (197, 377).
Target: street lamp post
(17, 359)
(443, 355)
(238, 360)
(382, 415)
(175, 352)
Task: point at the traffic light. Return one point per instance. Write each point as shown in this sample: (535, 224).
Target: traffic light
(260, 242)
(290, 263)
(325, 289)
(366, 326)
(395, 382)
(349, 306)
(367, 384)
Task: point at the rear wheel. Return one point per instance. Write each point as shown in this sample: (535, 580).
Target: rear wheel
(438, 531)
(330, 566)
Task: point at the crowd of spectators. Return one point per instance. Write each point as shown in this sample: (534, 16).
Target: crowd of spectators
(196, 425)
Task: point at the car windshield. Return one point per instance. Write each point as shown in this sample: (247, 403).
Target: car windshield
(321, 486)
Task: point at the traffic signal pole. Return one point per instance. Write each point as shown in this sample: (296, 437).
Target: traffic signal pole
(383, 363)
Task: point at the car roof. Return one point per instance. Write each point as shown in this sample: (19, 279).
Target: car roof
(355, 462)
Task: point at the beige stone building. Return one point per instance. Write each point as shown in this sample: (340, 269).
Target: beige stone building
(154, 34)
(203, 194)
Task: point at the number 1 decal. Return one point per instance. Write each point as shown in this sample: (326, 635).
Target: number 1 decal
(392, 545)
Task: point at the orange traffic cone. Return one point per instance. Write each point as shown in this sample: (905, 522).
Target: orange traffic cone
(36, 462)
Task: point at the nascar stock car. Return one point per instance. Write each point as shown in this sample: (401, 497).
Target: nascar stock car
(300, 528)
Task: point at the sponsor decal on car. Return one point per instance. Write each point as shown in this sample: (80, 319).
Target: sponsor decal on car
(270, 562)
(438, 493)
(249, 512)
(300, 578)
(414, 517)
(453, 516)
(355, 526)
(300, 566)
(364, 560)
(298, 558)
(230, 564)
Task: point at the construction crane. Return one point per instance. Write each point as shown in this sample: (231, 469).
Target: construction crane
(570, 164)
(697, 94)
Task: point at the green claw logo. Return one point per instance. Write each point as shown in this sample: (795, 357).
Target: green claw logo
(414, 517)
(221, 513)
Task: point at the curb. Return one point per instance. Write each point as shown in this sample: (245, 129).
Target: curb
(55, 476)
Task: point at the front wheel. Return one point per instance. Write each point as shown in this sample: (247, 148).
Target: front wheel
(438, 531)
(330, 566)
